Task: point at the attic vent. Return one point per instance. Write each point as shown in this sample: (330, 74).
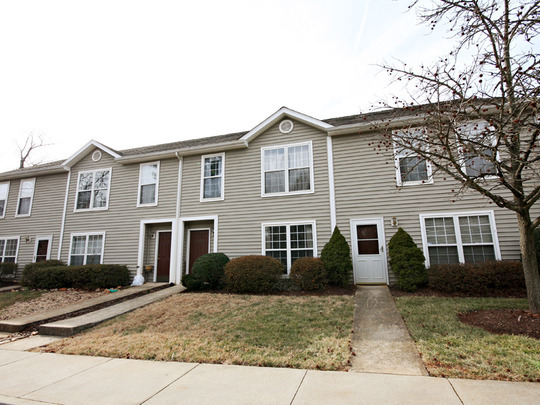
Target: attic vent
(96, 156)
(286, 126)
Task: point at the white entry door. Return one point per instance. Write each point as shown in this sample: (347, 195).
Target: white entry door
(369, 251)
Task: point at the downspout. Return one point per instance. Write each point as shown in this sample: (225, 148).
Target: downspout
(62, 226)
(331, 186)
(178, 226)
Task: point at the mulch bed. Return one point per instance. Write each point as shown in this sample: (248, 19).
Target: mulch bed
(504, 321)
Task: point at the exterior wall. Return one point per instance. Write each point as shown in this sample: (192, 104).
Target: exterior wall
(45, 218)
(243, 210)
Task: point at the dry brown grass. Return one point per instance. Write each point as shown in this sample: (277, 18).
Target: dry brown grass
(279, 331)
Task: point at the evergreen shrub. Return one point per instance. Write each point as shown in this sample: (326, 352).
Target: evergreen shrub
(29, 272)
(253, 274)
(8, 270)
(336, 257)
(407, 261)
(309, 273)
(209, 270)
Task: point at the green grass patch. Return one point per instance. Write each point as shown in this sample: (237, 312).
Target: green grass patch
(311, 332)
(450, 348)
(10, 298)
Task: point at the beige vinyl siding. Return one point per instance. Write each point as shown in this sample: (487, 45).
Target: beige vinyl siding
(365, 184)
(45, 218)
(243, 210)
(121, 221)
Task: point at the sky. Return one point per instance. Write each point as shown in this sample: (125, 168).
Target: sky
(131, 73)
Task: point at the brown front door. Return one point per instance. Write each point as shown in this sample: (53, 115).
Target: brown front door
(42, 250)
(198, 245)
(164, 256)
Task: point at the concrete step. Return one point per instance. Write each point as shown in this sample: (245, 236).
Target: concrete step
(71, 326)
(19, 324)
(10, 288)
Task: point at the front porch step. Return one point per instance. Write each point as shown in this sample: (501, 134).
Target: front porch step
(22, 323)
(71, 326)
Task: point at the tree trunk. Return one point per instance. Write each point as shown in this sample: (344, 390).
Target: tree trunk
(530, 263)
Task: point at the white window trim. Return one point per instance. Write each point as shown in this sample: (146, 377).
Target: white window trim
(202, 199)
(6, 238)
(7, 198)
(155, 203)
(49, 246)
(459, 243)
(311, 170)
(33, 180)
(288, 225)
(398, 156)
(92, 191)
(87, 234)
(462, 154)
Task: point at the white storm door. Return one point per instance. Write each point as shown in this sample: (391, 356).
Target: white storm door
(369, 251)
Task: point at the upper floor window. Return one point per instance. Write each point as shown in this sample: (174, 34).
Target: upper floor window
(411, 169)
(93, 190)
(8, 250)
(26, 195)
(4, 192)
(212, 177)
(148, 184)
(86, 249)
(477, 150)
(287, 169)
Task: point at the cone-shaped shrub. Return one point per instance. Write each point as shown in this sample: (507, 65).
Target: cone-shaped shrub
(406, 261)
(336, 257)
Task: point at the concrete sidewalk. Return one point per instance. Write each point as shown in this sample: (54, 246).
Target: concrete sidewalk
(30, 378)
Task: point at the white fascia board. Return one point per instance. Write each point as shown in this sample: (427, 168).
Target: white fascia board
(369, 126)
(173, 153)
(77, 156)
(285, 112)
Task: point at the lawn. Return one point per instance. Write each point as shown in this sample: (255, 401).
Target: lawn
(10, 298)
(312, 332)
(450, 348)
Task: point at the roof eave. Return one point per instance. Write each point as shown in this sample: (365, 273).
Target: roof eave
(25, 173)
(377, 125)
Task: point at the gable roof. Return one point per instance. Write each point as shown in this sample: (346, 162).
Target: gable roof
(81, 153)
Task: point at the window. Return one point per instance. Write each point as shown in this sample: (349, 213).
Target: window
(26, 195)
(459, 238)
(9, 248)
(93, 190)
(287, 169)
(148, 184)
(4, 192)
(86, 249)
(477, 151)
(288, 242)
(411, 169)
(212, 177)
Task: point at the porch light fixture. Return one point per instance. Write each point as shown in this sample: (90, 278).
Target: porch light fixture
(394, 222)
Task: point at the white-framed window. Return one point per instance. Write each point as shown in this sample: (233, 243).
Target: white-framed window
(93, 190)
(289, 241)
(26, 196)
(213, 177)
(477, 141)
(463, 237)
(148, 185)
(411, 169)
(9, 249)
(86, 248)
(287, 169)
(4, 193)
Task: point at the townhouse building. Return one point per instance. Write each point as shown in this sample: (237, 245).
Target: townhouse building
(278, 189)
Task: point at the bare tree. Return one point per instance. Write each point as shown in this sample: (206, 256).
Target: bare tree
(30, 145)
(476, 117)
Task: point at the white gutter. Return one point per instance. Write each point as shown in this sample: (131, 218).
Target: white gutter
(64, 217)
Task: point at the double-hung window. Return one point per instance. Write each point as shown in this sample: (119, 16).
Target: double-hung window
(287, 169)
(148, 184)
(288, 242)
(411, 169)
(4, 192)
(459, 237)
(93, 190)
(9, 248)
(86, 248)
(26, 195)
(212, 177)
(477, 149)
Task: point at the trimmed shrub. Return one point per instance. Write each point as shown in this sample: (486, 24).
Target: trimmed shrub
(28, 276)
(407, 261)
(309, 273)
(478, 278)
(191, 283)
(255, 274)
(8, 270)
(336, 257)
(209, 270)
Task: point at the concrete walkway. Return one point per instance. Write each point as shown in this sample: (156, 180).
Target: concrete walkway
(381, 341)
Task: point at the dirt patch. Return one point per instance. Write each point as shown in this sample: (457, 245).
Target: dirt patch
(430, 292)
(504, 321)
